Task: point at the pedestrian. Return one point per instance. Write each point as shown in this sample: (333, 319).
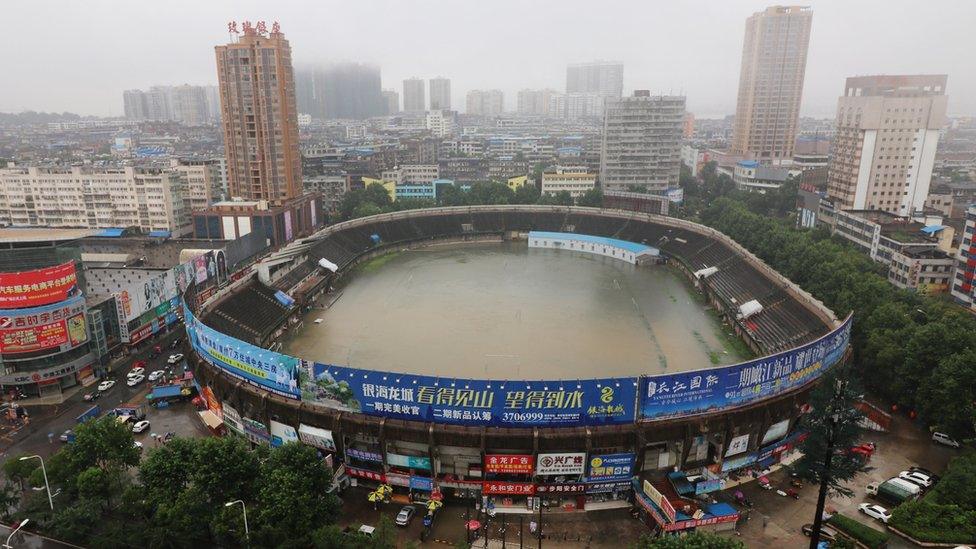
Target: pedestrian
(764, 522)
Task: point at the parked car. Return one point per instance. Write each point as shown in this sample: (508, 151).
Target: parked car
(826, 532)
(875, 511)
(135, 380)
(92, 395)
(176, 343)
(136, 372)
(921, 479)
(405, 514)
(106, 385)
(924, 471)
(175, 359)
(140, 426)
(945, 439)
(156, 374)
(65, 436)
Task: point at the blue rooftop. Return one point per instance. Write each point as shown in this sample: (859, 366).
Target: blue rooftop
(748, 163)
(932, 229)
(111, 233)
(622, 244)
(159, 234)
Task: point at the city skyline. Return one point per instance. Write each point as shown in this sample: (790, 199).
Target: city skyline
(703, 67)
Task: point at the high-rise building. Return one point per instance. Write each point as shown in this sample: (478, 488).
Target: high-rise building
(883, 151)
(441, 123)
(189, 105)
(535, 102)
(963, 287)
(260, 117)
(774, 60)
(642, 142)
(343, 90)
(485, 102)
(599, 77)
(572, 106)
(440, 94)
(413, 95)
(392, 100)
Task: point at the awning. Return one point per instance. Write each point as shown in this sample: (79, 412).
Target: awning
(211, 420)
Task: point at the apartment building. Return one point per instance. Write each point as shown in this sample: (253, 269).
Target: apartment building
(574, 182)
(534, 102)
(201, 181)
(440, 93)
(413, 95)
(149, 198)
(412, 174)
(642, 142)
(485, 102)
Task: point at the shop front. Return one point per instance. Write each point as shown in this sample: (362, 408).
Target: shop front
(608, 480)
(508, 484)
(659, 514)
(559, 485)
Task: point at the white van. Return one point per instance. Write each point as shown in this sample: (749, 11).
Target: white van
(943, 438)
(910, 487)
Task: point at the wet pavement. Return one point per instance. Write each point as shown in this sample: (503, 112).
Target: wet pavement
(775, 520)
(503, 310)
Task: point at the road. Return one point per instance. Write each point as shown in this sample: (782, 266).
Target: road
(48, 422)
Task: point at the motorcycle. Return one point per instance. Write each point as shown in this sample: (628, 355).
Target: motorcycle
(765, 484)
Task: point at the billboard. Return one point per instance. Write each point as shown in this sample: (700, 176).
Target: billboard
(282, 434)
(272, 371)
(717, 389)
(57, 327)
(314, 436)
(776, 431)
(473, 402)
(509, 463)
(37, 287)
(408, 462)
(561, 464)
(609, 467)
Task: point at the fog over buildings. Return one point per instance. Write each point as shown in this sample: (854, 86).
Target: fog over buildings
(669, 47)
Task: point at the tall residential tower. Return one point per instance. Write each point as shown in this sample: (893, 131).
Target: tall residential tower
(260, 117)
(440, 94)
(883, 152)
(642, 142)
(413, 95)
(774, 60)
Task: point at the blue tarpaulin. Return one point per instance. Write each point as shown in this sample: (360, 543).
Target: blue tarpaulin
(284, 298)
(166, 391)
(111, 233)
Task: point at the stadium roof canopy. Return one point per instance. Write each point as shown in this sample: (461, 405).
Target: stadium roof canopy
(42, 234)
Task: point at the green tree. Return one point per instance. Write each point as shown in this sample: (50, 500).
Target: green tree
(958, 484)
(166, 471)
(103, 443)
(294, 496)
(526, 194)
(695, 540)
(385, 535)
(451, 195)
(833, 426)
(562, 198)
(945, 395)
(366, 209)
(9, 498)
(19, 471)
(490, 192)
(74, 523)
(592, 198)
(96, 485)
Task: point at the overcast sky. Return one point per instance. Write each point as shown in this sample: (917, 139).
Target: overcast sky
(79, 55)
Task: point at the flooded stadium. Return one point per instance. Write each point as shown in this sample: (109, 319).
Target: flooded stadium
(505, 311)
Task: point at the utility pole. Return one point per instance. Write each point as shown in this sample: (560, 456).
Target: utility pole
(539, 501)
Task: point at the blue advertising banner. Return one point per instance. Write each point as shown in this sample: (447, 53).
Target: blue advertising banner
(473, 402)
(716, 389)
(421, 483)
(275, 372)
(609, 467)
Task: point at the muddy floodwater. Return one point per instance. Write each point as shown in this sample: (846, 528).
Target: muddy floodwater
(505, 311)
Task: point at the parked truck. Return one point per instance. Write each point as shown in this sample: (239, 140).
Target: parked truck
(894, 490)
(90, 413)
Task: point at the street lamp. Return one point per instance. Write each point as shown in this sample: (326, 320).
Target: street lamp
(6, 544)
(247, 535)
(47, 486)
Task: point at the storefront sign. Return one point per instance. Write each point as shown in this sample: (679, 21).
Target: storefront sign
(717, 389)
(739, 462)
(561, 464)
(705, 521)
(232, 419)
(606, 487)
(37, 287)
(498, 487)
(319, 438)
(421, 483)
(409, 462)
(364, 455)
(275, 372)
(658, 498)
(564, 488)
(282, 434)
(608, 467)
(365, 473)
(471, 401)
(396, 479)
(52, 373)
(255, 431)
(509, 463)
(710, 485)
(56, 327)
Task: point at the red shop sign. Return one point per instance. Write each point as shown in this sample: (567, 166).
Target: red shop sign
(509, 463)
(497, 487)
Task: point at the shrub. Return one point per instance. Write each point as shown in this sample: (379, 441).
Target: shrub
(860, 532)
(933, 522)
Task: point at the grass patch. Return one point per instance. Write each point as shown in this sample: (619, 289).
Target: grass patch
(875, 539)
(376, 262)
(713, 357)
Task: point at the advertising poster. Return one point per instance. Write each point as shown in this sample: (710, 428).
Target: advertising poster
(408, 462)
(288, 234)
(473, 402)
(716, 389)
(55, 327)
(611, 467)
(776, 431)
(266, 369)
(282, 434)
(319, 438)
(37, 287)
(738, 445)
(561, 464)
(200, 268)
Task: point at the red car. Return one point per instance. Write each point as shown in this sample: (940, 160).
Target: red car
(865, 451)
